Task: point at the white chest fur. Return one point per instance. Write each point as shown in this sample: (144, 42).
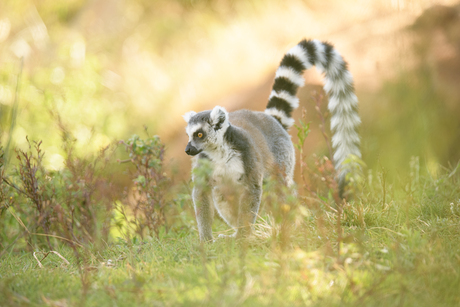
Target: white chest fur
(228, 166)
(231, 169)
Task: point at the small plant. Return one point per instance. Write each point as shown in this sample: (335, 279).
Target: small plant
(36, 185)
(353, 167)
(302, 132)
(3, 194)
(73, 204)
(148, 197)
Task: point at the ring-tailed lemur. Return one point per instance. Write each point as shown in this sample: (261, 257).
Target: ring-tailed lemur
(245, 146)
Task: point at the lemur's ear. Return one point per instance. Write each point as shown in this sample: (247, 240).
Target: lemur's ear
(188, 115)
(219, 117)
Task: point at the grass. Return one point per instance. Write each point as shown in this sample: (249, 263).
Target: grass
(404, 252)
(395, 244)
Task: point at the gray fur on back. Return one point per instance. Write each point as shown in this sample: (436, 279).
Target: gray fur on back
(266, 131)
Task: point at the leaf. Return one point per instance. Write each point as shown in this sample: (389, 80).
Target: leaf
(140, 180)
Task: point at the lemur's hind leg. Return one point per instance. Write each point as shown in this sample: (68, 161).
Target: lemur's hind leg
(226, 202)
(249, 208)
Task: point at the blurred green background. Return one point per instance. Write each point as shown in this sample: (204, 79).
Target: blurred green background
(106, 68)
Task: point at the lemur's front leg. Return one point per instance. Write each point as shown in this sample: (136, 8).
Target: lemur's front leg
(204, 212)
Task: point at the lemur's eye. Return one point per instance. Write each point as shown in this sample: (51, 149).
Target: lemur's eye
(200, 135)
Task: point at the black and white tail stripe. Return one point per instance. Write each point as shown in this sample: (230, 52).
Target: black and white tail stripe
(343, 103)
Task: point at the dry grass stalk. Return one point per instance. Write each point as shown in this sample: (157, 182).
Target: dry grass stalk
(46, 255)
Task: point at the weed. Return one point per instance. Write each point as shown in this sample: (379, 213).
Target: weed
(148, 196)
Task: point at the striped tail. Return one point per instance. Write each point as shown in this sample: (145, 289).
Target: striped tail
(343, 103)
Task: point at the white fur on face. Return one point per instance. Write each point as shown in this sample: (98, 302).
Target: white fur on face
(191, 129)
(213, 144)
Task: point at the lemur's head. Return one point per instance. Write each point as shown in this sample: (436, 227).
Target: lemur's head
(205, 130)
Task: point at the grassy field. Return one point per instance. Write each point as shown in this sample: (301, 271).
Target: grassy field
(396, 244)
(85, 226)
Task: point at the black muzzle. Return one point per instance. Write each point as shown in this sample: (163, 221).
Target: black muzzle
(191, 151)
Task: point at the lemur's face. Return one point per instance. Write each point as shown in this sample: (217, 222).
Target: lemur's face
(205, 130)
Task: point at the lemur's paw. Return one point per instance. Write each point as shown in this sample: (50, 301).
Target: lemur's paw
(222, 236)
